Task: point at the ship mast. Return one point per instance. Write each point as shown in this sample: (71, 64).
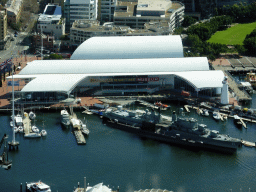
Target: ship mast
(14, 143)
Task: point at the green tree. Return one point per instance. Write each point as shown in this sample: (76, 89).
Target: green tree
(250, 45)
(188, 20)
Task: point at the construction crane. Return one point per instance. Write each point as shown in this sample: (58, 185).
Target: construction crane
(4, 162)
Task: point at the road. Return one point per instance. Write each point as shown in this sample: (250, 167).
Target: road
(18, 44)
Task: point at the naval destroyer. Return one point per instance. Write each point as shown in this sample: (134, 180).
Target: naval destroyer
(179, 130)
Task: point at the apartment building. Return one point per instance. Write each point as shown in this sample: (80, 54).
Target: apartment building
(51, 21)
(14, 8)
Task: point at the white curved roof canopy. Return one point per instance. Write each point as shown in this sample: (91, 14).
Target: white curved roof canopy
(53, 83)
(130, 47)
(115, 66)
(67, 82)
(203, 79)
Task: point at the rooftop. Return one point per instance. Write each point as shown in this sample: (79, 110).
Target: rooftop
(13, 6)
(129, 9)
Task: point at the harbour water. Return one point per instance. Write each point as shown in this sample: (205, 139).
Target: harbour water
(118, 158)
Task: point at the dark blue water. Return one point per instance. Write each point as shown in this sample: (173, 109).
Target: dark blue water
(118, 158)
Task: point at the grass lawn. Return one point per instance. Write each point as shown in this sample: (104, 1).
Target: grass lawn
(233, 35)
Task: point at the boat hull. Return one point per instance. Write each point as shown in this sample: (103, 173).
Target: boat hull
(178, 138)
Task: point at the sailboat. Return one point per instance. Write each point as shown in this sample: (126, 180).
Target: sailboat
(43, 132)
(13, 143)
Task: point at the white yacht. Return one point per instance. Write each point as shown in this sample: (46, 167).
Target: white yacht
(35, 129)
(32, 115)
(18, 120)
(38, 187)
(32, 135)
(21, 129)
(65, 118)
(205, 112)
(43, 132)
(84, 128)
(216, 115)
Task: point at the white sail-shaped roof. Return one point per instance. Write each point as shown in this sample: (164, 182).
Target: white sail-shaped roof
(53, 83)
(130, 47)
(116, 66)
(203, 79)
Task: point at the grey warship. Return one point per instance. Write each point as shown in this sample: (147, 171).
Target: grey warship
(179, 131)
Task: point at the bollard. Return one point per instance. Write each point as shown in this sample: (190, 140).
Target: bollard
(26, 186)
(78, 185)
(21, 187)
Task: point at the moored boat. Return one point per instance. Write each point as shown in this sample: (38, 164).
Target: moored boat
(84, 128)
(35, 129)
(65, 118)
(43, 132)
(32, 135)
(182, 131)
(38, 187)
(161, 105)
(20, 129)
(205, 112)
(32, 115)
(237, 121)
(216, 115)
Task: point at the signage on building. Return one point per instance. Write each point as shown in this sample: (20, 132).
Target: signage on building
(125, 79)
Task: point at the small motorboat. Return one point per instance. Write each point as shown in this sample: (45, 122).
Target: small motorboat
(38, 187)
(216, 115)
(84, 129)
(32, 115)
(237, 121)
(20, 129)
(43, 132)
(32, 135)
(11, 123)
(16, 130)
(161, 105)
(35, 129)
(205, 112)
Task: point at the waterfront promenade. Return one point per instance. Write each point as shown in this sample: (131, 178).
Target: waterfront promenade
(226, 65)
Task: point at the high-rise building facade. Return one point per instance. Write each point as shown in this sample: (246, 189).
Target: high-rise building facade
(79, 9)
(107, 8)
(3, 24)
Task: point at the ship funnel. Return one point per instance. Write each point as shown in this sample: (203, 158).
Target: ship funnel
(174, 116)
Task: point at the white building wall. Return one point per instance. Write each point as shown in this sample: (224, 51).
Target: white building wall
(55, 29)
